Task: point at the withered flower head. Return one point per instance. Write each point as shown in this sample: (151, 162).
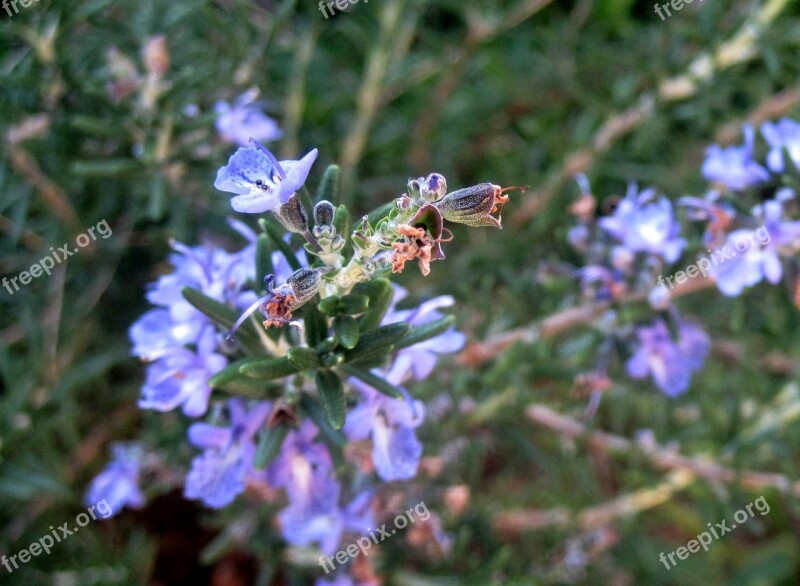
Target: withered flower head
(475, 206)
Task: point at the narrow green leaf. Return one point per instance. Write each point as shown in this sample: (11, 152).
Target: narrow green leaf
(354, 304)
(372, 380)
(231, 380)
(377, 341)
(231, 372)
(329, 186)
(263, 259)
(249, 387)
(316, 326)
(158, 197)
(331, 306)
(269, 444)
(275, 235)
(331, 395)
(303, 358)
(270, 368)
(341, 221)
(426, 331)
(310, 408)
(380, 293)
(223, 315)
(346, 329)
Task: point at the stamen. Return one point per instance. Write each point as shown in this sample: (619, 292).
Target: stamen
(521, 188)
(270, 156)
(247, 313)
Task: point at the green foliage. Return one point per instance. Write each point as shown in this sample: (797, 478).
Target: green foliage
(488, 91)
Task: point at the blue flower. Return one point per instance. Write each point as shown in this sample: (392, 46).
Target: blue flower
(390, 423)
(180, 378)
(260, 181)
(245, 119)
(152, 335)
(785, 135)
(212, 271)
(734, 166)
(748, 256)
(305, 470)
(420, 359)
(118, 483)
(304, 524)
(645, 223)
(218, 474)
(670, 363)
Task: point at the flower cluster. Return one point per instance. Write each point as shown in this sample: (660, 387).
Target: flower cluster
(738, 172)
(630, 249)
(323, 378)
(626, 250)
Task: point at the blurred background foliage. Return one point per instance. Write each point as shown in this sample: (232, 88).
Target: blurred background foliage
(517, 92)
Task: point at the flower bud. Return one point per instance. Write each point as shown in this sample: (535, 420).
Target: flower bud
(304, 284)
(414, 187)
(433, 187)
(475, 205)
(293, 215)
(323, 213)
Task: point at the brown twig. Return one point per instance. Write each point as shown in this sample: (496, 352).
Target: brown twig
(683, 471)
(516, 521)
(701, 466)
(476, 353)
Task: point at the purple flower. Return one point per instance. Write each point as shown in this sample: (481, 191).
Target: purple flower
(645, 223)
(118, 483)
(734, 166)
(785, 135)
(305, 470)
(419, 360)
(181, 377)
(212, 271)
(748, 256)
(218, 474)
(302, 464)
(245, 120)
(303, 524)
(670, 363)
(151, 335)
(260, 181)
(390, 423)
